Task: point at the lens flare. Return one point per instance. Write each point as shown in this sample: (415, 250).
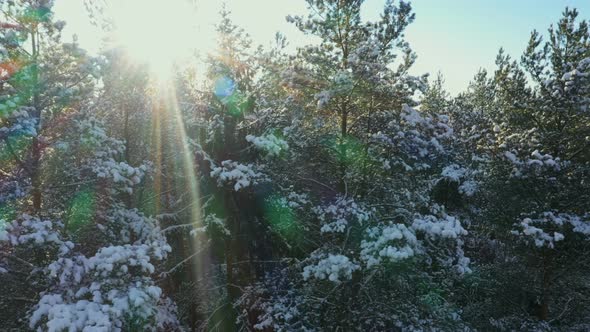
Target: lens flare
(81, 210)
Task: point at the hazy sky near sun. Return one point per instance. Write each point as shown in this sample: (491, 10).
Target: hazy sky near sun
(454, 37)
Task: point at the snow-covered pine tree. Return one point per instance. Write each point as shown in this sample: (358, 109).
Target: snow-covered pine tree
(372, 226)
(530, 214)
(73, 252)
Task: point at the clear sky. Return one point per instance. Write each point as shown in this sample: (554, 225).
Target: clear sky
(454, 37)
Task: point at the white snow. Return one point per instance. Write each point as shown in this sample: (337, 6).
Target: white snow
(335, 268)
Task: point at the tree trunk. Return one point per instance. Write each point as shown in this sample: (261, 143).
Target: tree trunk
(36, 145)
(35, 174)
(544, 310)
(342, 150)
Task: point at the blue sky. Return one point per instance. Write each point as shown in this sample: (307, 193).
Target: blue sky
(454, 37)
(458, 37)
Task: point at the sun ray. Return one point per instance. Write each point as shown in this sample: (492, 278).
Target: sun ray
(167, 102)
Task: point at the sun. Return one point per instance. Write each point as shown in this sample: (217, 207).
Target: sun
(159, 33)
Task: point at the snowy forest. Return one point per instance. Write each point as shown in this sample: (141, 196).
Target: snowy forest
(325, 189)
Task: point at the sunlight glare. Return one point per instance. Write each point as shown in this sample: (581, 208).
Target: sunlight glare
(159, 33)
